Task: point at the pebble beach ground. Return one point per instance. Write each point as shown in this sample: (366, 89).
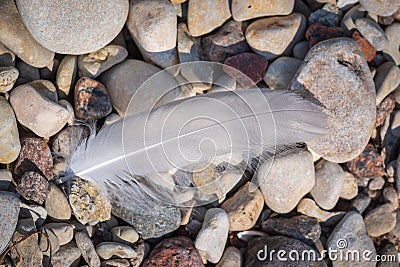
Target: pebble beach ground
(63, 63)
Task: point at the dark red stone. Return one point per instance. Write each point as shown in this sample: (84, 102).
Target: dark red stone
(174, 252)
(368, 164)
(384, 109)
(91, 99)
(366, 47)
(318, 32)
(33, 186)
(35, 156)
(252, 68)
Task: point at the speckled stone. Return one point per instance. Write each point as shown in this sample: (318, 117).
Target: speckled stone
(381, 7)
(9, 210)
(318, 32)
(10, 145)
(336, 75)
(372, 32)
(367, 49)
(368, 164)
(14, 35)
(68, 27)
(275, 36)
(350, 188)
(8, 76)
(205, 16)
(33, 186)
(250, 9)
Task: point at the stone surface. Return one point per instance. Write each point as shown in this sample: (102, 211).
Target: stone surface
(44, 242)
(251, 67)
(27, 73)
(298, 227)
(289, 173)
(8, 76)
(10, 145)
(5, 179)
(67, 255)
(93, 64)
(329, 180)
(275, 36)
(124, 234)
(232, 258)
(225, 42)
(46, 89)
(116, 263)
(250, 9)
(175, 251)
(45, 118)
(387, 78)
(67, 140)
(372, 32)
(380, 220)
(361, 202)
(336, 75)
(390, 194)
(317, 33)
(57, 205)
(391, 51)
(66, 75)
(368, 164)
(367, 49)
(381, 7)
(67, 22)
(36, 212)
(15, 36)
(33, 186)
(108, 249)
(87, 249)
(243, 208)
(63, 231)
(211, 239)
(91, 99)
(205, 16)
(300, 49)
(330, 15)
(350, 235)
(153, 23)
(9, 209)
(350, 188)
(308, 207)
(7, 57)
(189, 47)
(281, 72)
(87, 202)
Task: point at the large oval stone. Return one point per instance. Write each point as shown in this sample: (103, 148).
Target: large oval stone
(9, 138)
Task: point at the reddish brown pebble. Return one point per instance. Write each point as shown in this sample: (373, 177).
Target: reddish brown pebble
(91, 99)
(35, 156)
(33, 186)
(368, 164)
(174, 252)
(252, 68)
(384, 109)
(367, 49)
(318, 32)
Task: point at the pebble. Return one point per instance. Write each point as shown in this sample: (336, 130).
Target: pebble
(328, 75)
(5, 179)
(8, 76)
(330, 15)
(87, 249)
(376, 183)
(91, 99)
(300, 227)
(381, 7)
(372, 32)
(380, 220)
(7, 57)
(350, 235)
(67, 255)
(108, 249)
(211, 239)
(390, 194)
(66, 75)
(361, 202)
(368, 164)
(275, 36)
(266, 245)
(124, 234)
(391, 51)
(250, 9)
(309, 207)
(36, 156)
(225, 42)
(63, 231)
(281, 72)
(292, 173)
(232, 257)
(329, 180)
(9, 138)
(57, 205)
(153, 24)
(367, 49)
(9, 210)
(15, 37)
(214, 13)
(33, 186)
(68, 26)
(44, 242)
(384, 109)
(174, 251)
(46, 89)
(300, 50)
(87, 202)
(243, 208)
(252, 68)
(386, 79)
(123, 80)
(116, 263)
(317, 33)
(27, 73)
(350, 188)
(45, 118)
(93, 64)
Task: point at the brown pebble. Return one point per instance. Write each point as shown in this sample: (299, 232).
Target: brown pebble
(318, 32)
(366, 47)
(33, 186)
(384, 109)
(368, 164)
(35, 156)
